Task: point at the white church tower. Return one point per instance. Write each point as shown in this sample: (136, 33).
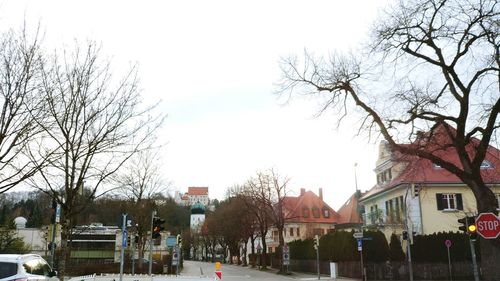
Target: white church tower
(197, 217)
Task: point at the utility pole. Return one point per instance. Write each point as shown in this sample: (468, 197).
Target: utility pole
(153, 214)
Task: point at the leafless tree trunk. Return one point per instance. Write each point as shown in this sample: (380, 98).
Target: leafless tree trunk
(433, 65)
(92, 129)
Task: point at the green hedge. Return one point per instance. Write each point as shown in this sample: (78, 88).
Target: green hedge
(341, 246)
(459, 250)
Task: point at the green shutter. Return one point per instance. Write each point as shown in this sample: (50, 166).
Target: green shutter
(460, 205)
(439, 201)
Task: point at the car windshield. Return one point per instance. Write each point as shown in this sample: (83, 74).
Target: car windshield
(37, 266)
(7, 269)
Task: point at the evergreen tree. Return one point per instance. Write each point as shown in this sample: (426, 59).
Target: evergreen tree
(10, 243)
(395, 249)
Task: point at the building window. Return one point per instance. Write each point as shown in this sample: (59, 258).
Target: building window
(374, 214)
(305, 212)
(449, 201)
(291, 231)
(315, 212)
(497, 195)
(384, 176)
(298, 231)
(326, 213)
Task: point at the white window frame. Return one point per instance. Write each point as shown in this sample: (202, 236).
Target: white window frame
(449, 198)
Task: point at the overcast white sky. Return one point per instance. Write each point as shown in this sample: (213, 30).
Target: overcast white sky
(213, 64)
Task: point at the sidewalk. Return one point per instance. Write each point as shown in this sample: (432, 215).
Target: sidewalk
(306, 275)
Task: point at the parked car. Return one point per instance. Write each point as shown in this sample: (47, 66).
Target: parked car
(25, 268)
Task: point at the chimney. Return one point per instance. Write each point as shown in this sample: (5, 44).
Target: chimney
(302, 191)
(321, 193)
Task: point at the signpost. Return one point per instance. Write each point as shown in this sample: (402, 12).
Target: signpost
(488, 225)
(286, 256)
(359, 239)
(447, 243)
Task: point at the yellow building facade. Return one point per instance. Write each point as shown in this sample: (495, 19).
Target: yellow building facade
(418, 196)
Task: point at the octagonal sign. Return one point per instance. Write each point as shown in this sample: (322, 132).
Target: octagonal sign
(488, 225)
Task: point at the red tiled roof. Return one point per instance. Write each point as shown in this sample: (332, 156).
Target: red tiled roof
(419, 170)
(193, 190)
(348, 213)
(294, 207)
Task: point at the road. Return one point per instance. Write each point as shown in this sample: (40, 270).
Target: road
(236, 273)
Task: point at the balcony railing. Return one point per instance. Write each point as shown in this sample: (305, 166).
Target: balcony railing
(380, 218)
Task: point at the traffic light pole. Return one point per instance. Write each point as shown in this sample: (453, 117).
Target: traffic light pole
(153, 214)
(474, 262)
(317, 261)
(124, 241)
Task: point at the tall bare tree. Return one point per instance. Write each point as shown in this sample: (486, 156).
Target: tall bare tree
(20, 106)
(431, 64)
(95, 125)
(264, 196)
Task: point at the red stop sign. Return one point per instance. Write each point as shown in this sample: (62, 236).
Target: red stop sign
(488, 225)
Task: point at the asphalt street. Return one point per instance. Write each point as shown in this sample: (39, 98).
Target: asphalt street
(235, 272)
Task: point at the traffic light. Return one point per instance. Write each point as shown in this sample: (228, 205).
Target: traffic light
(157, 228)
(316, 242)
(405, 235)
(179, 239)
(468, 225)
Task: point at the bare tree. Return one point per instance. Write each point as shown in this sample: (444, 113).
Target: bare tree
(20, 106)
(436, 67)
(140, 178)
(93, 128)
(253, 194)
(264, 197)
(140, 181)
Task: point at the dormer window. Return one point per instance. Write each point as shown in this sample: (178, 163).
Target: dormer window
(305, 212)
(486, 165)
(436, 166)
(315, 212)
(326, 213)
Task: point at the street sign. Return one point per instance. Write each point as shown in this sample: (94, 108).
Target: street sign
(358, 235)
(175, 257)
(286, 259)
(488, 225)
(447, 243)
(124, 238)
(360, 245)
(218, 274)
(286, 255)
(58, 213)
(171, 241)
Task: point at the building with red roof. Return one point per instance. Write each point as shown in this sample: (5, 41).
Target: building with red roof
(306, 215)
(349, 213)
(414, 193)
(194, 195)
